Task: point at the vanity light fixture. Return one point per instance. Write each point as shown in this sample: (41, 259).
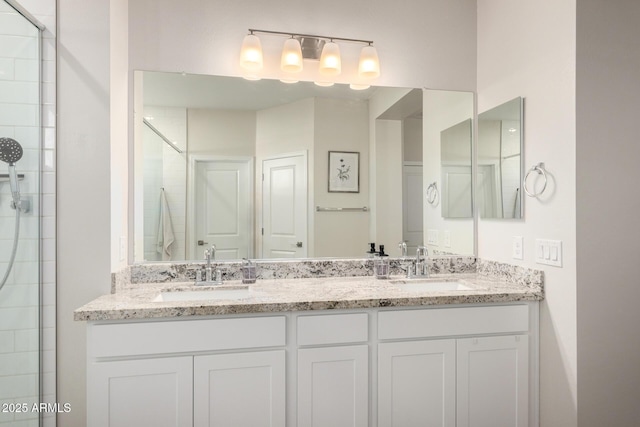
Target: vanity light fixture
(298, 47)
(355, 86)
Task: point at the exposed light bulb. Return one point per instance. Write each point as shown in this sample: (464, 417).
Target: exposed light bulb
(291, 60)
(369, 65)
(251, 53)
(330, 62)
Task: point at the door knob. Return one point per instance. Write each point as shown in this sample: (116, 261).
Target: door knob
(299, 244)
(202, 243)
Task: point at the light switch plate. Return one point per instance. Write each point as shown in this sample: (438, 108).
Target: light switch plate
(432, 237)
(549, 252)
(517, 248)
(446, 238)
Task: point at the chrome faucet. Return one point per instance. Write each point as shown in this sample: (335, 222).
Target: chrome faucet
(209, 278)
(403, 248)
(421, 267)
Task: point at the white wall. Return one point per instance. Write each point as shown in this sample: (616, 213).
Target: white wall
(527, 48)
(608, 202)
(340, 125)
(388, 176)
(412, 140)
(222, 132)
(84, 244)
(435, 48)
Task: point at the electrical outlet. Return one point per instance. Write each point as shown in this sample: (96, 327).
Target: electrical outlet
(432, 237)
(446, 238)
(549, 252)
(517, 248)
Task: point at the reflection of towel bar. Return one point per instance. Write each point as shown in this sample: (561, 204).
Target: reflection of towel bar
(320, 209)
(4, 177)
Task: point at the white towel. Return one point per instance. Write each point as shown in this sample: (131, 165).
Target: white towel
(166, 237)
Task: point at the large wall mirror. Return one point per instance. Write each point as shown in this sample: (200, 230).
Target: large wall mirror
(500, 148)
(266, 169)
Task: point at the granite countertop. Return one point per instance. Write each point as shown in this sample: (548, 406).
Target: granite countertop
(280, 295)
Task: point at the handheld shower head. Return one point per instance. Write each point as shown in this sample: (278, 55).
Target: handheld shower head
(10, 150)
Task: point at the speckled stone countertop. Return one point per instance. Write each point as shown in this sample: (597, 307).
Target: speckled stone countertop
(323, 293)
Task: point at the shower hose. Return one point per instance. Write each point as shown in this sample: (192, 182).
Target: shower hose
(15, 248)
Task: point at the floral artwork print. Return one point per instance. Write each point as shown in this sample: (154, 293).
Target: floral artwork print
(344, 173)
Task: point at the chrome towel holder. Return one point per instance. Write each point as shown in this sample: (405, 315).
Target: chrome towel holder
(432, 193)
(539, 168)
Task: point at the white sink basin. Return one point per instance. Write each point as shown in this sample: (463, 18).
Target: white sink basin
(208, 295)
(422, 285)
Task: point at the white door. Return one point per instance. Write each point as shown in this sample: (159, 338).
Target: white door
(412, 207)
(417, 384)
(223, 210)
(333, 386)
(493, 381)
(147, 392)
(456, 192)
(284, 207)
(240, 389)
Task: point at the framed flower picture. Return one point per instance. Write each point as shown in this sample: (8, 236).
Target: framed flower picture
(344, 172)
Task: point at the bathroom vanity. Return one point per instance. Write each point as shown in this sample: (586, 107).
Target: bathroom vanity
(332, 351)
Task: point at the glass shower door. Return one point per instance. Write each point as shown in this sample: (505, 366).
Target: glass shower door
(20, 137)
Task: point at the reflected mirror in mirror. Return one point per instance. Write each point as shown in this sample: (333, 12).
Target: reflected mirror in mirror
(244, 165)
(455, 161)
(500, 148)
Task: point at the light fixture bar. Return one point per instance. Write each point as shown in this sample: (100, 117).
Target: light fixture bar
(251, 30)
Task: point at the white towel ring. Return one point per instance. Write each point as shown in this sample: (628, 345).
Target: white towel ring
(432, 193)
(539, 168)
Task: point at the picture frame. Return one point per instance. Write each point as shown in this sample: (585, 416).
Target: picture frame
(344, 172)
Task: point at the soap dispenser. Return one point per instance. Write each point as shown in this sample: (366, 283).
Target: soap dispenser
(372, 251)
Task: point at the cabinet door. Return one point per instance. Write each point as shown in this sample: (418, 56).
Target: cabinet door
(333, 386)
(416, 384)
(240, 389)
(493, 381)
(149, 392)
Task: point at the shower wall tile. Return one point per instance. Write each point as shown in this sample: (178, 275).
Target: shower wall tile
(6, 68)
(21, 118)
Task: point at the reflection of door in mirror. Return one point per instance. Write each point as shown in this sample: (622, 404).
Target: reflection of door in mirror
(455, 153)
(284, 207)
(222, 208)
(412, 207)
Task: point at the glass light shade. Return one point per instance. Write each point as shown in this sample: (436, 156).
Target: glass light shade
(355, 86)
(289, 81)
(323, 84)
(251, 53)
(330, 62)
(369, 65)
(291, 56)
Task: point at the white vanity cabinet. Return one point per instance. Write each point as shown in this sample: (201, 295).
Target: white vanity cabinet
(480, 379)
(229, 372)
(239, 389)
(333, 373)
(153, 392)
(449, 366)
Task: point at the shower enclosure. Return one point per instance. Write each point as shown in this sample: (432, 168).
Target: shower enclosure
(20, 342)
